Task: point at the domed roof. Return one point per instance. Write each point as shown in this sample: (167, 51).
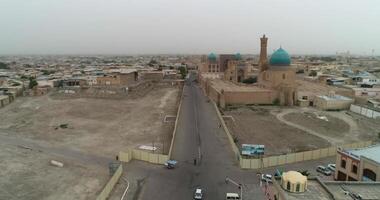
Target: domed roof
(294, 177)
(237, 56)
(280, 58)
(212, 56)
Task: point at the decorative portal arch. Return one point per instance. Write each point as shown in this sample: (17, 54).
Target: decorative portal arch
(369, 175)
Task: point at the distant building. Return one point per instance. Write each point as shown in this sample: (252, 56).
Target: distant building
(275, 83)
(333, 102)
(358, 164)
(118, 77)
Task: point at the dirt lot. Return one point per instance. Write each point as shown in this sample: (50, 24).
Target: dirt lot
(342, 127)
(326, 125)
(256, 125)
(95, 127)
(27, 174)
(284, 130)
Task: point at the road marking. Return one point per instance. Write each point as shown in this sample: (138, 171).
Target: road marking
(126, 190)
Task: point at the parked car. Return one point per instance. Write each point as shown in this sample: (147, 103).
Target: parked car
(323, 170)
(198, 194)
(266, 178)
(331, 167)
(232, 196)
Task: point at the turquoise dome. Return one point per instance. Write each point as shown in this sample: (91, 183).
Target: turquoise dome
(237, 56)
(280, 58)
(212, 57)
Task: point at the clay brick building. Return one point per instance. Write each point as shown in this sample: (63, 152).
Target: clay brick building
(276, 81)
(358, 164)
(124, 77)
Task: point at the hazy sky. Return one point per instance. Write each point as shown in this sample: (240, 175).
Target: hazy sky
(188, 26)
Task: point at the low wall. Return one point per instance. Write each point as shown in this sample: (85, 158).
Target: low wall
(176, 124)
(111, 184)
(126, 156)
(365, 111)
(230, 138)
(257, 163)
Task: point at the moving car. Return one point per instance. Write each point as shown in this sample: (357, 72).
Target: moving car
(331, 167)
(170, 164)
(323, 170)
(198, 194)
(266, 178)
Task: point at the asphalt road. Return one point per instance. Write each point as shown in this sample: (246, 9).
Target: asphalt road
(198, 137)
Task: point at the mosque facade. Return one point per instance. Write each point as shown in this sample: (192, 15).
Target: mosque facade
(221, 79)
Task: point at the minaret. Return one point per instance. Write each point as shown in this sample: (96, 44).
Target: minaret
(263, 62)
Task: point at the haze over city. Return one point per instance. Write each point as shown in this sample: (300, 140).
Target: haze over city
(188, 27)
(200, 99)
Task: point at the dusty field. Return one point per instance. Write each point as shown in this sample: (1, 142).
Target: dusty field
(341, 127)
(330, 126)
(110, 125)
(27, 175)
(79, 128)
(256, 125)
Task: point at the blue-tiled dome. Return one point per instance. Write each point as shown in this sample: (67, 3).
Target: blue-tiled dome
(237, 56)
(280, 58)
(212, 57)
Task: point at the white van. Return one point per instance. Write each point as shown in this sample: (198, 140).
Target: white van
(232, 196)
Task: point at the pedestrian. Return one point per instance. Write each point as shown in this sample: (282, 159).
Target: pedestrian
(220, 125)
(195, 161)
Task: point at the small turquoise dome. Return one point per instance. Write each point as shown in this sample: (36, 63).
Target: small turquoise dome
(280, 58)
(237, 56)
(212, 57)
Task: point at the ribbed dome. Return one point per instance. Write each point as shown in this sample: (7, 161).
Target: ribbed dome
(212, 57)
(280, 58)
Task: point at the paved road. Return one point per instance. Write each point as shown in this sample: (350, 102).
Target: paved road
(198, 137)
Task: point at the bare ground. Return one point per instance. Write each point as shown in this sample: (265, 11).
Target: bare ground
(339, 127)
(28, 175)
(256, 125)
(97, 127)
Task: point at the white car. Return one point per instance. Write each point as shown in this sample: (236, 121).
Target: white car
(266, 178)
(198, 194)
(331, 167)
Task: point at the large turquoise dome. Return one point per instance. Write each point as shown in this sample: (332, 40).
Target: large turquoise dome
(280, 58)
(237, 56)
(212, 57)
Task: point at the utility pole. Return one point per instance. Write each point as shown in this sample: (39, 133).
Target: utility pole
(239, 185)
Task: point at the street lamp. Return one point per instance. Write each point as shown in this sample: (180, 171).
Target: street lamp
(239, 185)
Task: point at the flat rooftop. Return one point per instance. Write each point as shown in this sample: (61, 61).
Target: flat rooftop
(372, 152)
(316, 87)
(334, 190)
(231, 87)
(367, 190)
(335, 97)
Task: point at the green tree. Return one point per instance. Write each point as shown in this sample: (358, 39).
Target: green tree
(313, 73)
(4, 66)
(32, 82)
(183, 71)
